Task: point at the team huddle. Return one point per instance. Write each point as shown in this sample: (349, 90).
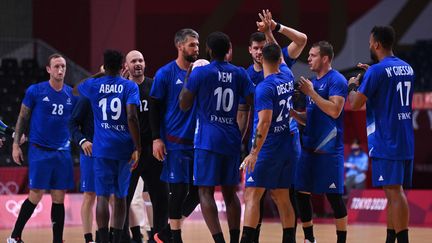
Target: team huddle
(198, 125)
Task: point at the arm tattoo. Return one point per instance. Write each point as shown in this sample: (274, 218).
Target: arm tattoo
(257, 136)
(22, 122)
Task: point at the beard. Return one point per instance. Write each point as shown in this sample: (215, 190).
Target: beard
(190, 58)
(373, 56)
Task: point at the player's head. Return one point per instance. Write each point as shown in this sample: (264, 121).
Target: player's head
(218, 45)
(355, 146)
(113, 61)
(187, 44)
(135, 64)
(56, 67)
(228, 56)
(382, 39)
(320, 55)
(256, 43)
(271, 55)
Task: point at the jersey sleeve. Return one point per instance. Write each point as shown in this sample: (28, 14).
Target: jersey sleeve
(370, 82)
(30, 97)
(133, 97)
(263, 98)
(193, 82)
(288, 60)
(84, 88)
(248, 87)
(338, 87)
(159, 87)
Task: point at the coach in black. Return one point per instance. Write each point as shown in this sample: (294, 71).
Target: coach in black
(148, 167)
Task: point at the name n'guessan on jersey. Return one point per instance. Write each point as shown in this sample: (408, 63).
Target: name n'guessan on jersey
(401, 87)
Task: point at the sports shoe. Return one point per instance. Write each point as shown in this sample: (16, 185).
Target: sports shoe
(160, 238)
(308, 241)
(14, 240)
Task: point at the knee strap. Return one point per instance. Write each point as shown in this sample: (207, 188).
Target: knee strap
(337, 204)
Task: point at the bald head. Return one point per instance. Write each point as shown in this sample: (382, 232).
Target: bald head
(135, 64)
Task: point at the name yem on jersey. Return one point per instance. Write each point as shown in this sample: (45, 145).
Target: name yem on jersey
(225, 99)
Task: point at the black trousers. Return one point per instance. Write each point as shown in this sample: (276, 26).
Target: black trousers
(149, 168)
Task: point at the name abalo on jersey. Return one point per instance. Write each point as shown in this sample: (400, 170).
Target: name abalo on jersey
(110, 88)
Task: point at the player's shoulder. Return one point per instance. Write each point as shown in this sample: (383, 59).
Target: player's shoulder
(67, 87)
(165, 69)
(338, 77)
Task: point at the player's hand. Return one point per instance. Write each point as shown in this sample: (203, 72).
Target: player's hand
(266, 21)
(363, 66)
(305, 86)
(354, 80)
(249, 163)
(87, 147)
(159, 149)
(17, 154)
(134, 159)
(124, 73)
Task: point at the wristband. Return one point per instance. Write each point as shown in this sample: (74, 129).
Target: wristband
(278, 27)
(82, 141)
(281, 28)
(352, 87)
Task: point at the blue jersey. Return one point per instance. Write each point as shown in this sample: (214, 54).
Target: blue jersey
(218, 87)
(275, 93)
(51, 111)
(322, 133)
(388, 86)
(288, 60)
(257, 77)
(177, 128)
(109, 97)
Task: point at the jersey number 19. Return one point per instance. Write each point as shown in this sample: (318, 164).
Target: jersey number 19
(115, 106)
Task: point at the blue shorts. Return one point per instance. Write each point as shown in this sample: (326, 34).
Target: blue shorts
(112, 177)
(320, 173)
(391, 172)
(178, 166)
(50, 169)
(271, 174)
(215, 169)
(87, 175)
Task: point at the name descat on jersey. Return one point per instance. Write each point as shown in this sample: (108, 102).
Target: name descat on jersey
(109, 97)
(50, 114)
(258, 76)
(218, 88)
(388, 86)
(322, 133)
(177, 128)
(275, 93)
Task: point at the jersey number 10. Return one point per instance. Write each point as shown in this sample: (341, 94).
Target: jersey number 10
(115, 106)
(225, 98)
